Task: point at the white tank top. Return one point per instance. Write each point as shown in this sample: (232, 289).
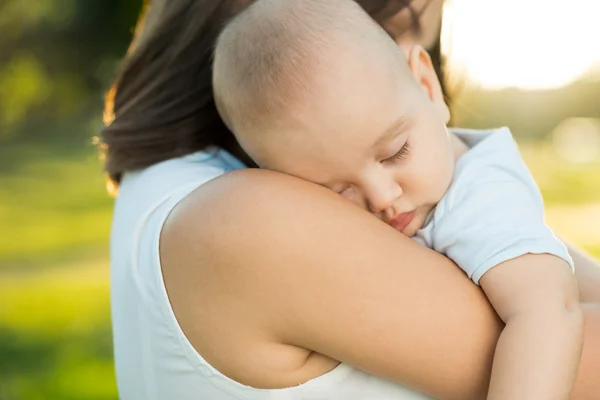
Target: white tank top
(153, 358)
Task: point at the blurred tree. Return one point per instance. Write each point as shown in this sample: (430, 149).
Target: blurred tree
(56, 59)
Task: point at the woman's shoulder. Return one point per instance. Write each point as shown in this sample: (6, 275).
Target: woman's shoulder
(199, 166)
(209, 245)
(143, 188)
(275, 262)
(256, 198)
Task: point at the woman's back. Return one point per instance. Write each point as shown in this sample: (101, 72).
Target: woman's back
(154, 359)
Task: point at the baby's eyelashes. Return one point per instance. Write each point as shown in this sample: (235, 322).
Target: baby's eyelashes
(400, 154)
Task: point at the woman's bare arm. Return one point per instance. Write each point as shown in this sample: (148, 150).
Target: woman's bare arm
(310, 269)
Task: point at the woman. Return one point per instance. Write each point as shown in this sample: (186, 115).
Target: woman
(257, 285)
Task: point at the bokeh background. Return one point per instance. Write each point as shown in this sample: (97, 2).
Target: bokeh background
(533, 65)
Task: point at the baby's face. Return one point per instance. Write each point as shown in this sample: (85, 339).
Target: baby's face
(374, 134)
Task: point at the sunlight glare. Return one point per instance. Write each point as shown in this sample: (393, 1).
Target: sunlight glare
(530, 44)
(577, 140)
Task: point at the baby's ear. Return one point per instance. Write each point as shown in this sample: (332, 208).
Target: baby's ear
(422, 69)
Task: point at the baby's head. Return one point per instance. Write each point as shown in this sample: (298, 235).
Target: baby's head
(316, 89)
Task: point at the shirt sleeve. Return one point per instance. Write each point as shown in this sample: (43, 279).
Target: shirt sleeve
(494, 221)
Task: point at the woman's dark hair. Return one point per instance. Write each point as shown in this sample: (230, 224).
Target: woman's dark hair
(161, 105)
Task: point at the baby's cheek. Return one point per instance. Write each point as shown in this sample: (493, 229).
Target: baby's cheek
(352, 195)
(436, 184)
(447, 161)
(446, 179)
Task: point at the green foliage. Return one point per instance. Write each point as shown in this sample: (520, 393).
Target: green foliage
(562, 182)
(55, 338)
(23, 84)
(55, 204)
(56, 59)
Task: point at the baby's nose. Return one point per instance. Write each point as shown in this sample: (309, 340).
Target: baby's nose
(378, 206)
(381, 201)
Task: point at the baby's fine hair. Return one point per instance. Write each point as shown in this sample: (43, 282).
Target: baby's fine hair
(266, 57)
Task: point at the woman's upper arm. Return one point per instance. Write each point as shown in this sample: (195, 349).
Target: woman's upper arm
(326, 276)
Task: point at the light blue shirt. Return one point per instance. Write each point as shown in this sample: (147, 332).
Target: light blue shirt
(493, 210)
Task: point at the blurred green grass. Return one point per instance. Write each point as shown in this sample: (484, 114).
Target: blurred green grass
(53, 203)
(55, 340)
(571, 194)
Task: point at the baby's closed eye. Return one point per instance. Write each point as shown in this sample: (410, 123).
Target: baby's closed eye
(400, 154)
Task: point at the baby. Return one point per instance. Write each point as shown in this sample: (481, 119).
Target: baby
(317, 90)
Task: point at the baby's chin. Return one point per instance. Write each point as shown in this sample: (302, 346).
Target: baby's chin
(412, 229)
(418, 222)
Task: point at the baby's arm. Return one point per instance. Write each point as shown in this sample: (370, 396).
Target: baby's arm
(539, 349)
(491, 223)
